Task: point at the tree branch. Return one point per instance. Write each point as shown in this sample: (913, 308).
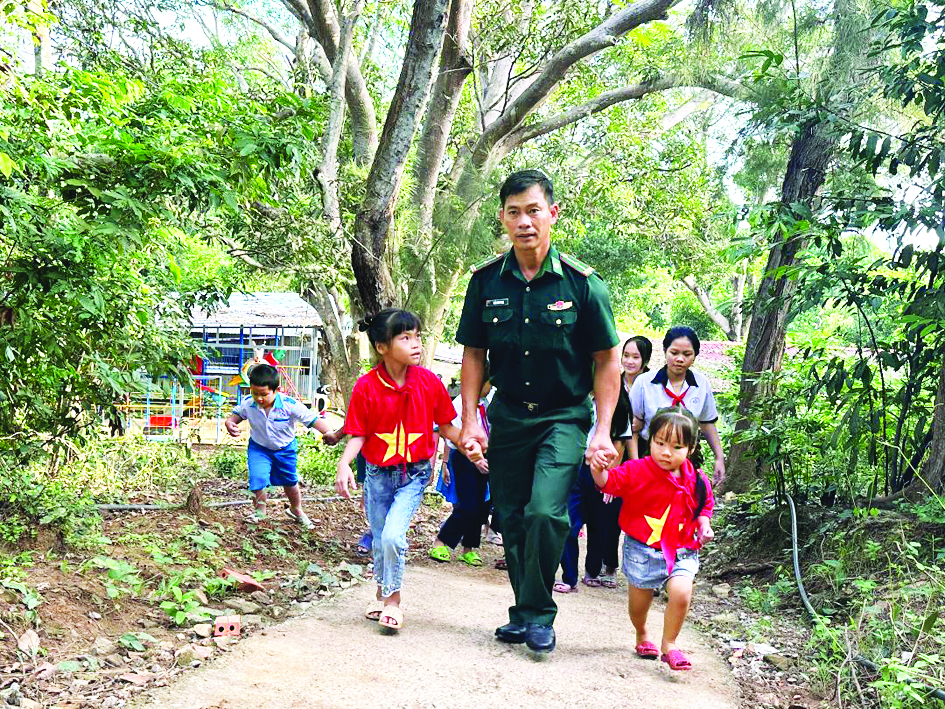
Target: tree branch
(601, 37)
(721, 85)
(455, 66)
(703, 297)
(269, 27)
(319, 19)
(328, 171)
(602, 102)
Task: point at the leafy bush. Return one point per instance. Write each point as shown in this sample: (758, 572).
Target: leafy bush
(230, 462)
(29, 499)
(317, 461)
(111, 469)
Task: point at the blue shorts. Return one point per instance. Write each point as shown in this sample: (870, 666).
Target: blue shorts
(269, 467)
(645, 566)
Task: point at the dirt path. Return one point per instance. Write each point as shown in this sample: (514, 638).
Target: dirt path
(446, 657)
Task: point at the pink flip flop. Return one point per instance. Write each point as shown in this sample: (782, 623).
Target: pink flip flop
(562, 587)
(647, 650)
(676, 660)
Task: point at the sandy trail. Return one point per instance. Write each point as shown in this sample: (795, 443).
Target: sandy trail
(446, 657)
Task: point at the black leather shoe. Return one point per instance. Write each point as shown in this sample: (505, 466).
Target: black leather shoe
(511, 633)
(540, 638)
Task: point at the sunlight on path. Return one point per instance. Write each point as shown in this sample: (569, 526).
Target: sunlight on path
(446, 657)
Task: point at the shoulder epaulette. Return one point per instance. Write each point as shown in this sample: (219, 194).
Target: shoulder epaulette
(577, 264)
(488, 262)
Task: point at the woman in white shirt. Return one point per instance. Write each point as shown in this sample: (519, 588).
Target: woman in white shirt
(677, 384)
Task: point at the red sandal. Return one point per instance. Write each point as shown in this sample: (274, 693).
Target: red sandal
(647, 650)
(676, 660)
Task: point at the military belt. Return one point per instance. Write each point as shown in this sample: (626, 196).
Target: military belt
(533, 407)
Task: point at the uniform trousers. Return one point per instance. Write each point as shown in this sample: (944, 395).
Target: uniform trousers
(533, 464)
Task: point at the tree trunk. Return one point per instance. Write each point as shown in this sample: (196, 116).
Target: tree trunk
(328, 170)
(764, 350)
(42, 47)
(738, 301)
(455, 66)
(373, 222)
(320, 20)
(437, 311)
(341, 362)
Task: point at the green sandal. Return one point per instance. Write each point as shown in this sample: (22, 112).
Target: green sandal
(471, 557)
(440, 553)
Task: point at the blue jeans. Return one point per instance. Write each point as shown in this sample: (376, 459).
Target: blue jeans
(392, 495)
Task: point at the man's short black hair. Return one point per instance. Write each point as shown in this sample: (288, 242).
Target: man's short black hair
(520, 181)
(264, 375)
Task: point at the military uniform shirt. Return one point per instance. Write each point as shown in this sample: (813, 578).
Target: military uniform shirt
(540, 334)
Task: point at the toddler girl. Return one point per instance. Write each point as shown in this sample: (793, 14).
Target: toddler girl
(666, 514)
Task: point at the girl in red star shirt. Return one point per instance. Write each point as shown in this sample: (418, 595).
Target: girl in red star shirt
(666, 513)
(390, 420)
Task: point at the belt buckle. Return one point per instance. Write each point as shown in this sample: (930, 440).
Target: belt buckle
(530, 407)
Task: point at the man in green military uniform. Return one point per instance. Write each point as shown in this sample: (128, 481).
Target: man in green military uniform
(545, 322)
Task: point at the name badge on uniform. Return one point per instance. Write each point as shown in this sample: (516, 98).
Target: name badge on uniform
(560, 305)
(497, 301)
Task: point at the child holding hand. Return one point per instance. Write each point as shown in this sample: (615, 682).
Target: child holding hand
(666, 514)
(390, 419)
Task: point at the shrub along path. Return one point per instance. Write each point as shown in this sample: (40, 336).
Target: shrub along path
(446, 656)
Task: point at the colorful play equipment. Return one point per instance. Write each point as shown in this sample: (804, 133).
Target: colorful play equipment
(272, 358)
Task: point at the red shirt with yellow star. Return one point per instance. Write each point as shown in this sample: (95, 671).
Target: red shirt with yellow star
(658, 508)
(397, 422)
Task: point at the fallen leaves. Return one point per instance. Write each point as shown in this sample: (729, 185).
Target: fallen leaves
(28, 642)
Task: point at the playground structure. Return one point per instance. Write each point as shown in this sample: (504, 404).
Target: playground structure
(280, 329)
(171, 411)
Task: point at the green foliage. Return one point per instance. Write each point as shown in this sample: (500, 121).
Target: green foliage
(218, 587)
(112, 469)
(121, 577)
(180, 604)
(138, 642)
(317, 462)
(29, 597)
(230, 462)
(29, 499)
(118, 190)
(203, 539)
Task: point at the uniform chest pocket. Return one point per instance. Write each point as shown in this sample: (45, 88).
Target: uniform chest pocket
(499, 324)
(557, 327)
